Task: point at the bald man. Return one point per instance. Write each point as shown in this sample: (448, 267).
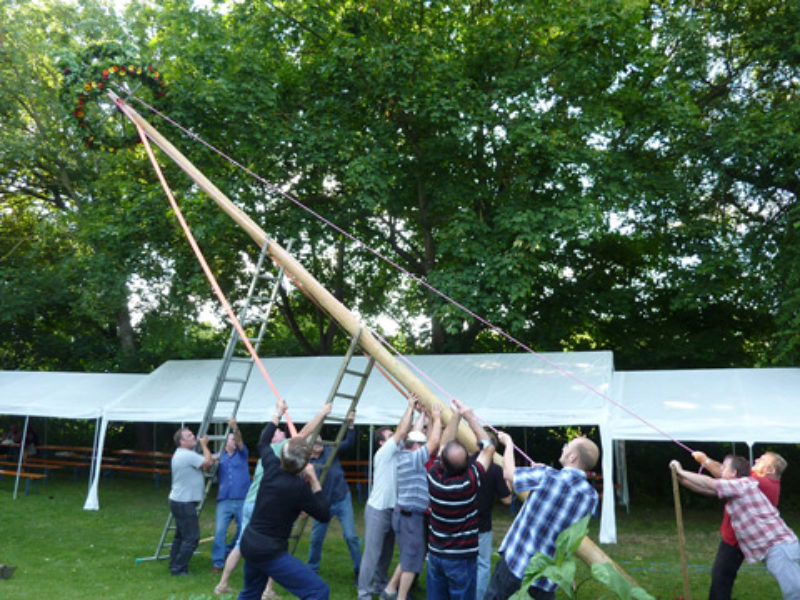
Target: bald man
(558, 498)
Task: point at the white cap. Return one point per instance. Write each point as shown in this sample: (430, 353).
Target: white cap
(416, 436)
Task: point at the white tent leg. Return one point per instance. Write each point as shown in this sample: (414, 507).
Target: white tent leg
(93, 466)
(369, 466)
(608, 522)
(92, 500)
(21, 455)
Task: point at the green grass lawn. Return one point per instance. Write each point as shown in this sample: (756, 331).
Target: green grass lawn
(64, 552)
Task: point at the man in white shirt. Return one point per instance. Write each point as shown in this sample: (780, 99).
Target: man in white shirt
(378, 533)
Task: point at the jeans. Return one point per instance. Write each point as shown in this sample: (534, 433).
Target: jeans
(723, 573)
(343, 510)
(286, 570)
(247, 512)
(378, 549)
(484, 563)
(451, 578)
(226, 510)
(187, 535)
(505, 584)
(782, 563)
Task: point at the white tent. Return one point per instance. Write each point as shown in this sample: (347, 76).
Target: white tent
(747, 405)
(57, 394)
(504, 389)
(705, 405)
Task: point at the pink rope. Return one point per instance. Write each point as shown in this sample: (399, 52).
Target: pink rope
(416, 278)
(206, 269)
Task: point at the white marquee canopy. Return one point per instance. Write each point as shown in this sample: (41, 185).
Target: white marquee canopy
(521, 390)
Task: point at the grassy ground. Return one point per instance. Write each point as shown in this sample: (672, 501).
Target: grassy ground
(65, 552)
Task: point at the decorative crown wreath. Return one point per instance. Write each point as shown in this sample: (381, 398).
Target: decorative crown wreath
(104, 127)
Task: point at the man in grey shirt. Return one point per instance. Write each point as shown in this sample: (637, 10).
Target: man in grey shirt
(186, 492)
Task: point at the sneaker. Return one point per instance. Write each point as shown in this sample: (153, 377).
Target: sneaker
(224, 588)
(387, 595)
(6, 571)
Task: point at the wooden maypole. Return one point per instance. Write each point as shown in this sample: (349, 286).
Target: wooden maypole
(588, 551)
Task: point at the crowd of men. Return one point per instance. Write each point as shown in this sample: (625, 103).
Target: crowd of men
(433, 499)
(430, 497)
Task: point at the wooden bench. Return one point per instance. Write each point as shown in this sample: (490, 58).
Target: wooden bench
(157, 472)
(356, 472)
(35, 477)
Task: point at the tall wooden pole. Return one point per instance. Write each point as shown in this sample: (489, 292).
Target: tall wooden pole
(588, 550)
(681, 538)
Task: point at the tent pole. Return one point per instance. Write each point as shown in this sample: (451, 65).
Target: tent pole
(588, 550)
(93, 467)
(21, 455)
(369, 466)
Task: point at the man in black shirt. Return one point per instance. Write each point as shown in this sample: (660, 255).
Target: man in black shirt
(494, 486)
(282, 495)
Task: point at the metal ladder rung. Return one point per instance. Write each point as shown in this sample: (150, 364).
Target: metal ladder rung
(356, 373)
(348, 396)
(227, 399)
(335, 419)
(234, 380)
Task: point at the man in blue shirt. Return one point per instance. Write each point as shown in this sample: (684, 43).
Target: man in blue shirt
(337, 493)
(558, 498)
(233, 477)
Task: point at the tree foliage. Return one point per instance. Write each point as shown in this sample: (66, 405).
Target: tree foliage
(619, 175)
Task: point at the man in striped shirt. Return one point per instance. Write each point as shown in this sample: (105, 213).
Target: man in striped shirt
(453, 483)
(408, 518)
(558, 498)
(761, 532)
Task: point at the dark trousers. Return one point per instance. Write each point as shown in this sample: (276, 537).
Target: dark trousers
(505, 584)
(292, 573)
(723, 573)
(187, 535)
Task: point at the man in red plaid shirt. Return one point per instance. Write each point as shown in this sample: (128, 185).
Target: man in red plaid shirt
(759, 528)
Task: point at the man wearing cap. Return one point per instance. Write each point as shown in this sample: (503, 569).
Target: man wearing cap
(408, 518)
(337, 494)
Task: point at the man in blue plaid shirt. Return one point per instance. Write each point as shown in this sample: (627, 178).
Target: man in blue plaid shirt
(558, 498)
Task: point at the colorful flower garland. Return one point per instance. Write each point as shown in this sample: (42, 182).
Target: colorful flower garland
(92, 90)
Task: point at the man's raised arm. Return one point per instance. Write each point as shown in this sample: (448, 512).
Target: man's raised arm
(508, 458)
(710, 465)
(404, 425)
(309, 427)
